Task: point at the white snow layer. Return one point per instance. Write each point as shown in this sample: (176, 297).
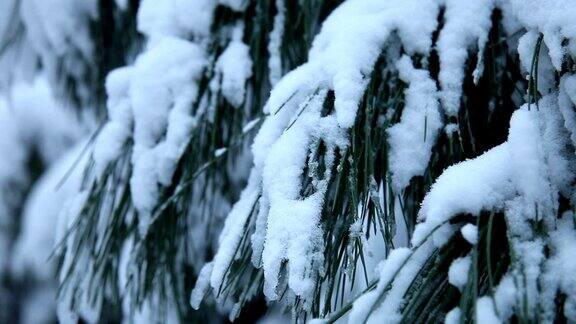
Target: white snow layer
(177, 18)
(467, 25)
(485, 312)
(162, 90)
(559, 269)
(154, 98)
(234, 66)
(529, 168)
(411, 140)
(453, 316)
(554, 19)
(458, 272)
(470, 233)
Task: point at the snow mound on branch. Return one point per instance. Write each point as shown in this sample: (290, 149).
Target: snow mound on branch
(234, 66)
(467, 25)
(344, 53)
(453, 316)
(485, 311)
(458, 272)
(470, 233)
(411, 140)
(154, 101)
(487, 184)
(554, 19)
(154, 98)
(522, 167)
(178, 18)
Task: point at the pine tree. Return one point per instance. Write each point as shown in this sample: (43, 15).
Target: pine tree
(361, 160)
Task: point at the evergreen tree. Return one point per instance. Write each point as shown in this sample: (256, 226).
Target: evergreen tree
(361, 160)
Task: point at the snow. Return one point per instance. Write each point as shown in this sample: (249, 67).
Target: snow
(339, 60)
(39, 305)
(388, 311)
(234, 66)
(84, 307)
(470, 233)
(250, 125)
(219, 152)
(458, 272)
(566, 101)
(453, 316)
(151, 101)
(293, 231)
(345, 53)
(233, 230)
(42, 122)
(546, 73)
(13, 154)
(33, 123)
(18, 58)
(560, 267)
(154, 98)
(411, 141)
(505, 297)
(485, 312)
(467, 24)
(36, 240)
(523, 178)
(202, 285)
(553, 18)
(31, 253)
(467, 187)
(116, 132)
(122, 4)
(387, 269)
(556, 143)
(178, 18)
(522, 165)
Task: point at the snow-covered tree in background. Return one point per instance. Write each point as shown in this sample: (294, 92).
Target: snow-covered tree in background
(361, 160)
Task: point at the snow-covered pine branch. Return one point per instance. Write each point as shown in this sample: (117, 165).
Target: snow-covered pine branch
(361, 160)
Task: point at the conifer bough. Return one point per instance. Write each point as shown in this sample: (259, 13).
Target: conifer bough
(369, 161)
